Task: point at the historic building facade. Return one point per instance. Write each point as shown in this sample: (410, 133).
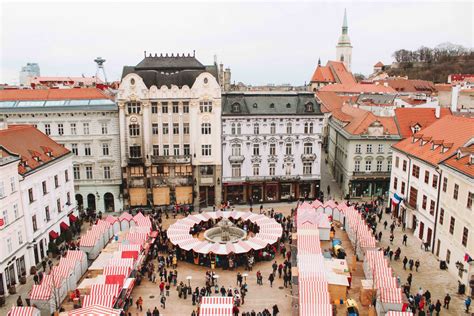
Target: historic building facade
(169, 112)
(344, 46)
(85, 120)
(271, 144)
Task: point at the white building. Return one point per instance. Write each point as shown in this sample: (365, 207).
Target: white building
(456, 227)
(28, 71)
(44, 196)
(344, 47)
(416, 177)
(85, 120)
(271, 144)
(170, 110)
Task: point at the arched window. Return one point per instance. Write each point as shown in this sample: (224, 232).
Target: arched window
(309, 107)
(236, 107)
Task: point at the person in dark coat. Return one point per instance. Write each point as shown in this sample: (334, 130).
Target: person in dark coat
(275, 310)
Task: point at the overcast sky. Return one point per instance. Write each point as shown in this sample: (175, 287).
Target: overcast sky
(269, 42)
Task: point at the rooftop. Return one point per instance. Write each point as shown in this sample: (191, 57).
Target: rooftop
(408, 85)
(462, 161)
(334, 72)
(357, 88)
(408, 118)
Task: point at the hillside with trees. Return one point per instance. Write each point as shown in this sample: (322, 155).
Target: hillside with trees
(433, 64)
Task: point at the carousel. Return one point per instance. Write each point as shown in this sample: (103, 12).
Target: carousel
(224, 238)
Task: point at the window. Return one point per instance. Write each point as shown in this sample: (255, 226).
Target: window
(413, 197)
(451, 225)
(175, 106)
(134, 130)
(2, 190)
(176, 150)
(30, 195)
(272, 105)
(288, 169)
(134, 107)
(256, 129)
(73, 129)
(165, 129)
(166, 150)
(288, 148)
(87, 149)
(60, 129)
(9, 245)
(20, 237)
(175, 128)
(379, 165)
(154, 107)
(272, 128)
(105, 149)
(256, 170)
(448, 256)
(232, 129)
(35, 224)
(288, 128)
(47, 214)
(235, 108)
(395, 183)
(425, 201)
(164, 107)
(441, 216)
(45, 188)
(358, 148)
(186, 150)
(432, 207)
(256, 149)
(47, 129)
(76, 172)
(15, 211)
(415, 171)
(105, 128)
(389, 165)
(470, 197)
(239, 129)
(309, 107)
(5, 217)
(206, 170)
(154, 128)
(136, 171)
(357, 165)
(465, 236)
(74, 149)
(156, 150)
(308, 148)
(434, 183)
(58, 205)
(380, 149)
(206, 150)
(206, 128)
(404, 168)
(427, 176)
(308, 127)
(445, 184)
(68, 198)
(186, 107)
(236, 149)
(106, 172)
(235, 170)
(456, 191)
(397, 162)
(206, 106)
(368, 165)
(186, 128)
(56, 181)
(271, 169)
(88, 172)
(272, 149)
(135, 151)
(402, 190)
(85, 128)
(307, 168)
(369, 148)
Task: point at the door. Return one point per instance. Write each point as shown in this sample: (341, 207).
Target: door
(422, 228)
(41, 254)
(437, 248)
(428, 237)
(109, 202)
(79, 201)
(35, 251)
(91, 201)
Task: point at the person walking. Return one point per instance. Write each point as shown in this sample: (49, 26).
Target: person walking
(385, 225)
(417, 264)
(19, 301)
(140, 304)
(409, 278)
(275, 310)
(271, 278)
(438, 307)
(163, 302)
(447, 300)
(405, 261)
(392, 237)
(410, 263)
(239, 279)
(467, 303)
(405, 238)
(156, 312)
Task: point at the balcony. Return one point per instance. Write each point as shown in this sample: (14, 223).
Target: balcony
(308, 157)
(181, 159)
(236, 159)
(135, 161)
(371, 174)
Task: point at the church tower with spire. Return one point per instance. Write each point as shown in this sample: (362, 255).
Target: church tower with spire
(344, 47)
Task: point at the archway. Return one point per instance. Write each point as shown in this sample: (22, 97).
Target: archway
(109, 202)
(79, 201)
(91, 201)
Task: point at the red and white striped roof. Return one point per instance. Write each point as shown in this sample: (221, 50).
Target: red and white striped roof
(114, 270)
(105, 289)
(136, 238)
(75, 255)
(394, 313)
(121, 262)
(311, 309)
(390, 295)
(125, 217)
(23, 311)
(142, 220)
(216, 306)
(89, 239)
(41, 292)
(94, 310)
(123, 247)
(103, 300)
(111, 219)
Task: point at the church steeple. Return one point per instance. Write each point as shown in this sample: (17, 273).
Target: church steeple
(344, 47)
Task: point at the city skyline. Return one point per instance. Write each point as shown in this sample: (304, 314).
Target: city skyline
(247, 37)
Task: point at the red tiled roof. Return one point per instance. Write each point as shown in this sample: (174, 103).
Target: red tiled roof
(453, 131)
(340, 73)
(30, 143)
(379, 64)
(462, 164)
(330, 101)
(322, 74)
(443, 87)
(358, 88)
(409, 85)
(52, 94)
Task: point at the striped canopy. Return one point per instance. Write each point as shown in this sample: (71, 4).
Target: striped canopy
(216, 306)
(105, 289)
(103, 300)
(23, 311)
(94, 310)
(394, 313)
(75, 255)
(116, 270)
(121, 262)
(40, 292)
(142, 220)
(390, 295)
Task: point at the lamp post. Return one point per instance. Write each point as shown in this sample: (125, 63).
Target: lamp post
(189, 280)
(245, 275)
(216, 277)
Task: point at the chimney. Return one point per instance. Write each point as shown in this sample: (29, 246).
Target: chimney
(454, 97)
(438, 111)
(3, 124)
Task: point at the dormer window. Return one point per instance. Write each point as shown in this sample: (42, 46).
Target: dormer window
(444, 149)
(272, 105)
(416, 129)
(288, 105)
(255, 105)
(309, 107)
(471, 159)
(236, 108)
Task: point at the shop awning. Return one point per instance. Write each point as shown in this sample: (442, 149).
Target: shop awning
(72, 218)
(63, 226)
(154, 234)
(53, 234)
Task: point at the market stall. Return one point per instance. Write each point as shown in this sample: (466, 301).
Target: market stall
(23, 311)
(216, 306)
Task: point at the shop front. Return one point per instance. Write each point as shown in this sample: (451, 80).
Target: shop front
(306, 190)
(369, 187)
(287, 191)
(161, 196)
(235, 193)
(256, 192)
(207, 196)
(271, 192)
(138, 196)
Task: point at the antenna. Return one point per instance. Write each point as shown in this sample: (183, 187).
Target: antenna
(100, 67)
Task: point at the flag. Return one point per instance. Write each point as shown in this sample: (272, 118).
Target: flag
(467, 257)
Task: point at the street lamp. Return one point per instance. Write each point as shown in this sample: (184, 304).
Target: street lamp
(245, 275)
(216, 277)
(189, 280)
